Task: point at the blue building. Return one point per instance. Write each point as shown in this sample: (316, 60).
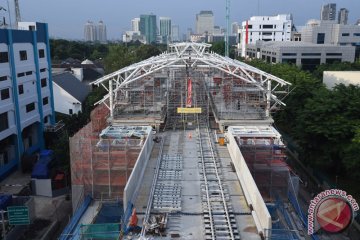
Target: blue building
(26, 95)
(148, 27)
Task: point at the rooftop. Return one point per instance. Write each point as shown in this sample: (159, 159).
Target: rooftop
(72, 85)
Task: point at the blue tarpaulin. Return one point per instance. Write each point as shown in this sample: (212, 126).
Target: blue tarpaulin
(5, 201)
(41, 168)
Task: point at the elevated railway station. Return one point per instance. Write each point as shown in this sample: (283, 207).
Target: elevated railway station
(184, 141)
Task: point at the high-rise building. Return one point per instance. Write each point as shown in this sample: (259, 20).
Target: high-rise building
(265, 28)
(328, 12)
(101, 32)
(26, 93)
(189, 32)
(135, 25)
(357, 22)
(205, 22)
(234, 28)
(94, 32)
(175, 33)
(165, 29)
(343, 16)
(90, 32)
(148, 27)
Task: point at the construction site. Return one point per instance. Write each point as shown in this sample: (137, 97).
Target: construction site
(182, 146)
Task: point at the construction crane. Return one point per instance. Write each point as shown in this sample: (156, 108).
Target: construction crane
(227, 18)
(17, 12)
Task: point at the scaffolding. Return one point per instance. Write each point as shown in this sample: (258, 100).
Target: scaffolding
(151, 90)
(235, 99)
(102, 157)
(264, 153)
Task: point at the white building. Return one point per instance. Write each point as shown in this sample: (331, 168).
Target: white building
(205, 22)
(333, 78)
(175, 33)
(135, 25)
(101, 32)
(265, 28)
(305, 55)
(90, 32)
(132, 36)
(234, 28)
(26, 98)
(69, 93)
(330, 32)
(94, 32)
(165, 29)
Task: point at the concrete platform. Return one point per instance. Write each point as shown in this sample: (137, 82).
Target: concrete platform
(188, 223)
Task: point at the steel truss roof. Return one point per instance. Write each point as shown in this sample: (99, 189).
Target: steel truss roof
(195, 55)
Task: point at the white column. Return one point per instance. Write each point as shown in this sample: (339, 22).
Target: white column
(111, 94)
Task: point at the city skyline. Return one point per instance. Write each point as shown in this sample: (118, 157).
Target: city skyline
(182, 13)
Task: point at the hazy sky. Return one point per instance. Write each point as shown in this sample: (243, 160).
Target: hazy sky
(66, 18)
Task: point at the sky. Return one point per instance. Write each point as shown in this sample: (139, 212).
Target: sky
(66, 18)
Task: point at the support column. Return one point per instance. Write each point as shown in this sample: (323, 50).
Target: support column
(268, 99)
(111, 98)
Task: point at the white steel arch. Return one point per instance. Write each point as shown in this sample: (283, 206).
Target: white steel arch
(195, 55)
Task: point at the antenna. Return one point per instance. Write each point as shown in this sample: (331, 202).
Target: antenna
(227, 28)
(17, 12)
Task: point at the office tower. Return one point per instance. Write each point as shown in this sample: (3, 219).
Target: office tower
(26, 94)
(90, 32)
(343, 16)
(328, 12)
(175, 33)
(135, 25)
(101, 32)
(205, 22)
(148, 27)
(165, 29)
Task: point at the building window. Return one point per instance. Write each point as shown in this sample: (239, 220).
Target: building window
(311, 54)
(46, 120)
(268, 26)
(4, 57)
(28, 73)
(3, 78)
(43, 70)
(249, 26)
(333, 60)
(356, 34)
(4, 123)
(43, 82)
(320, 38)
(41, 53)
(289, 60)
(21, 89)
(23, 55)
(5, 94)
(45, 101)
(30, 107)
(345, 34)
(21, 74)
(70, 111)
(333, 54)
